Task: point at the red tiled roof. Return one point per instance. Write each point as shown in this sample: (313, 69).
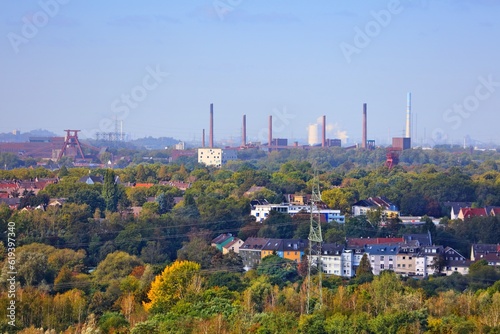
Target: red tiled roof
(8, 185)
(373, 241)
(144, 185)
(473, 212)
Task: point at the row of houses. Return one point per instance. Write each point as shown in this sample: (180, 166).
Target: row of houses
(14, 188)
(261, 209)
(411, 255)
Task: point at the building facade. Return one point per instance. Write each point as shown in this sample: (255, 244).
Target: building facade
(216, 157)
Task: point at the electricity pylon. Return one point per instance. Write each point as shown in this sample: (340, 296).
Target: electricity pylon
(315, 241)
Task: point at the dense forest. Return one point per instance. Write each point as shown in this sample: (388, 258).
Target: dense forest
(93, 266)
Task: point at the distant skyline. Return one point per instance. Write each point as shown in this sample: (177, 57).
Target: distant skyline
(157, 66)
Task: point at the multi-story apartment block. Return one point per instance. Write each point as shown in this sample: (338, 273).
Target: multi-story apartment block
(425, 261)
(382, 257)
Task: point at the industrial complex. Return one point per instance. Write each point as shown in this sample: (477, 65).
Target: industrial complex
(55, 148)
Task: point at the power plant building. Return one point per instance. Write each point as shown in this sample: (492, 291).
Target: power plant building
(401, 143)
(216, 157)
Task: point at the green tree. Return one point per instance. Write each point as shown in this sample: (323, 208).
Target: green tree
(115, 266)
(364, 268)
(63, 172)
(279, 270)
(165, 203)
(90, 197)
(110, 191)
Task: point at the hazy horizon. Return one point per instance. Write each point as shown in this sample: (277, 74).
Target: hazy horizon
(157, 66)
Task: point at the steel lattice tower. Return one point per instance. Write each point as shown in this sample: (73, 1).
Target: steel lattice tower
(315, 241)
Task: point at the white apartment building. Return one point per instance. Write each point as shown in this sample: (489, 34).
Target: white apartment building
(335, 260)
(262, 211)
(215, 156)
(424, 262)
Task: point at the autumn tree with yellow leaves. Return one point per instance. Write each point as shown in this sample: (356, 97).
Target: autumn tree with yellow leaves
(176, 282)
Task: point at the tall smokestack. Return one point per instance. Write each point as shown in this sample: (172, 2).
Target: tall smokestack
(408, 116)
(364, 139)
(323, 135)
(211, 130)
(270, 134)
(244, 132)
(203, 138)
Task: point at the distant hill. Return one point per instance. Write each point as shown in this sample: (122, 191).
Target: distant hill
(155, 143)
(24, 137)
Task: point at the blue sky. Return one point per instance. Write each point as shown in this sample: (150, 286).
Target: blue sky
(157, 65)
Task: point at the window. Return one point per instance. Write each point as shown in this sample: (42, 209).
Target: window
(381, 258)
(404, 257)
(409, 257)
(399, 265)
(390, 266)
(409, 266)
(382, 266)
(404, 265)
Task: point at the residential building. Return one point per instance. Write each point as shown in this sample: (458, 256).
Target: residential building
(273, 246)
(424, 239)
(331, 259)
(12, 202)
(233, 246)
(262, 211)
(293, 249)
(455, 262)
(215, 156)
(426, 258)
(362, 242)
(488, 252)
(91, 179)
(382, 257)
(389, 209)
(406, 259)
(466, 213)
(222, 240)
(357, 255)
(250, 252)
(177, 184)
(336, 260)
(455, 208)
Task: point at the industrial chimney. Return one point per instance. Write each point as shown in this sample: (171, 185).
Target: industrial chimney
(323, 135)
(203, 138)
(408, 116)
(270, 134)
(364, 138)
(244, 132)
(211, 130)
